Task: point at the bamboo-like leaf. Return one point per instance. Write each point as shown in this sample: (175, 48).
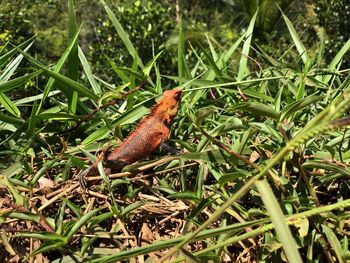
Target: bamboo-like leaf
(73, 59)
(82, 221)
(297, 42)
(243, 69)
(147, 70)
(9, 105)
(298, 105)
(11, 120)
(17, 82)
(122, 34)
(333, 240)
(258, 109)
(10, 69)
(326, 166)
(283, 232)
(87, 69)
(335, 61)
(9, 54)
(97, 135)
(58, 68)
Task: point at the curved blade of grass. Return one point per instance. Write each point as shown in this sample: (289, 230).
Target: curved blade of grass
(297, 42)
(10, 119)
(47, 165)
(23, 216)
(10, 68)
(335, 61)
(326, 166)
(87, 69)
(58, 68)
(130, 208)
(5, 241)
(73, 59)
(147, 70)
(283, 232)
(298, 105)
(9, 105)
(40, 235)
(58, 116)
(17, 82)
(35, 98)
(82, 221)
(122, 34)
(97, 135)
(333, 240)
(243, 69)
(47, 246)
(258, 109)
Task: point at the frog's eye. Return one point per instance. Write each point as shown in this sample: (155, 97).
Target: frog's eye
(177, 95)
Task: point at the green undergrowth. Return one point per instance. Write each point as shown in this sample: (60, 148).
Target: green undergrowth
(261, 175)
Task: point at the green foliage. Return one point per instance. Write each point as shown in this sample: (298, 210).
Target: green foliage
(272, 137)
(148, 25)
(21, 19)
(333, 17)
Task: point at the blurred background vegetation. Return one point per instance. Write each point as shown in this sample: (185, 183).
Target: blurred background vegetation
(152, 26)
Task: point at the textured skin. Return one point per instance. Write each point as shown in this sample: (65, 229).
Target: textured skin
(149, 133)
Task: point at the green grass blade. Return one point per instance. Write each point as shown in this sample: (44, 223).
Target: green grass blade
(298, 105)
(9, 105)
(17, 82)
(335, 61)
(122, 34)
(297, 42)
(10, 68)
(9, 54)
(333, 240)
(243, 69)
(82, 221)
(10, 120)
(58, 68)
(283, 232)
(87, 69)
(73, 59)
(181, 52)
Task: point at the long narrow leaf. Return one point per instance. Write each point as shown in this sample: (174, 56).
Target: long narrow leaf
(277, 218)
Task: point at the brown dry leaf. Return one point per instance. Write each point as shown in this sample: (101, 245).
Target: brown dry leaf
(146, 234)
(45, 183)
(254, 156)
